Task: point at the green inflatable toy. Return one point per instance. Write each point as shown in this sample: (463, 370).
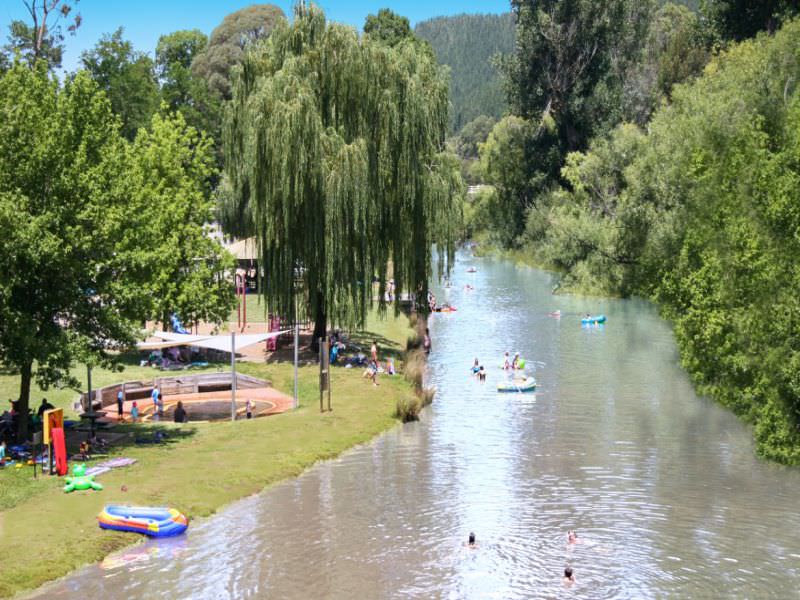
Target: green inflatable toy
(80, 480)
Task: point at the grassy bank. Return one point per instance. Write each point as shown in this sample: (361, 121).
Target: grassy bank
(200, 468)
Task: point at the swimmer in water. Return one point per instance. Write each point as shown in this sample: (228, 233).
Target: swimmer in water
(568, 578)
(476, 366)
(471, 541)
(572, 537)
(481, 374)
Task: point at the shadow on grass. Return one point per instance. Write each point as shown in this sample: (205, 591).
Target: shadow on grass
(115, 440)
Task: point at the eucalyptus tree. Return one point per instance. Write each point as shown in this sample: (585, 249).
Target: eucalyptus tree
(335, 156)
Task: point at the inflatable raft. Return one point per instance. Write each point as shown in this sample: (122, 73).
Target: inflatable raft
(593, 320)
(526, 385)
(445, 309)
(155, 522)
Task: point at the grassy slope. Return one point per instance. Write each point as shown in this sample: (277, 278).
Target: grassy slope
(204, 468)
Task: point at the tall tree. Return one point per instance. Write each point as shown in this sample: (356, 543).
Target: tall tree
(63, 208)
(388, 26)
(128, 79)
(171, 164)
(180, 88)
(43, 38)
(741, 19)
(228, 41)
(570, 59)
(334, 147)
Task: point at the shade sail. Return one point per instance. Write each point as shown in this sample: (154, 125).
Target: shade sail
(210, 342)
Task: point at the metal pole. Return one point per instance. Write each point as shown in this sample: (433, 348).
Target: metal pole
(296, 349)
(89, 385)
(233, 375)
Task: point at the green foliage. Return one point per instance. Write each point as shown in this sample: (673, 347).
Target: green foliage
(512, 160)
(180, 88)
(171, 165)
(674, 52)
(228, 41)
(738, 20)
(22, 42)
(388, 26)
(334, 147)
(468, 45)
(63, 210)
(701, 215)
(128, 79)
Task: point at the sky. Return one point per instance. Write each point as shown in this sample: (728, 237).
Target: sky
(145, 21)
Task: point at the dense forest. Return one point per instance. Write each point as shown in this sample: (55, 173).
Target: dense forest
(662, 161)
(468, 44)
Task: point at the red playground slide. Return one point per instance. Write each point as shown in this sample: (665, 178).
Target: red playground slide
(60, 450)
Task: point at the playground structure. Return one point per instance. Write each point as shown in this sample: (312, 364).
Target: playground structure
(205, 396)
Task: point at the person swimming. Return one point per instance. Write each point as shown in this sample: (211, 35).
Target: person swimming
(569, 577)
(572, 537)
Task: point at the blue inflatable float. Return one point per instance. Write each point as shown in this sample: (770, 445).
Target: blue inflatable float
(593, 320)
(153, 522)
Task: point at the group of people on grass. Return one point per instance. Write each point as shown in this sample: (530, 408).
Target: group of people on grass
(374, 365)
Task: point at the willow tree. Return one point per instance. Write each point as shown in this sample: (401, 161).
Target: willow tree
(334, 155)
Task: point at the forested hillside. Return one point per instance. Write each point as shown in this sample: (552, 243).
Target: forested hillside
(467, 44)
(647, 165)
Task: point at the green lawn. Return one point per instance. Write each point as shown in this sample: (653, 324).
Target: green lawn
(200, 468)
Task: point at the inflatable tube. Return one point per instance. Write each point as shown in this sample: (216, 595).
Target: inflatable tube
(60, 449)
(593, 320)
(153, 522)
(528, 385)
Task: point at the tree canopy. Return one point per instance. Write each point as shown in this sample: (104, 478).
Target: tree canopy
(96, 231)
(334, 150)
(63, 293)
(128, 79)
(181, 89)
(388, 26)
(738, 20)
(43, 37)
(228, 41)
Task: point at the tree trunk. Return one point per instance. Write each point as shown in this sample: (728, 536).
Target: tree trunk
(26, 374)
(320, 323)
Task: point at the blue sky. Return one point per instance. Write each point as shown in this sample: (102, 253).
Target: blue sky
(145, 20)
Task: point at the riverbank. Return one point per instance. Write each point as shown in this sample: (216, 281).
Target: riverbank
(201, 467)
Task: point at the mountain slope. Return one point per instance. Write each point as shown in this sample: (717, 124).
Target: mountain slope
(467, 43)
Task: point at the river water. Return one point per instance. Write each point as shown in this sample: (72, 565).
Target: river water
(662, 486)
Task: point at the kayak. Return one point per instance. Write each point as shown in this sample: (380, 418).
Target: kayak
(526, 385)
(593, 320)
(154, 522)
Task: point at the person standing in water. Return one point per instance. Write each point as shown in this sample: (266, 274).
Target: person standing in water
(569, 578)
(481, 374)
(476, 366)
(506, 362)
(471, 541)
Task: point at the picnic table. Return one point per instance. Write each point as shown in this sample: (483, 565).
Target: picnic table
(92, 417)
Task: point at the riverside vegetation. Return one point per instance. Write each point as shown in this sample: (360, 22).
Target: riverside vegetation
(665, 164)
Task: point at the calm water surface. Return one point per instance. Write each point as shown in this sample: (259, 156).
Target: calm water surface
(662, 486)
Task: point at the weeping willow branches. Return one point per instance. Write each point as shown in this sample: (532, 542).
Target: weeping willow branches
(334, 157)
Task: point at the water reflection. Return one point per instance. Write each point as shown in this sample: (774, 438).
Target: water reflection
(662, 486)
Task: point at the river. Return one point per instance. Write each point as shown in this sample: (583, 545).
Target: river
(662, 486)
